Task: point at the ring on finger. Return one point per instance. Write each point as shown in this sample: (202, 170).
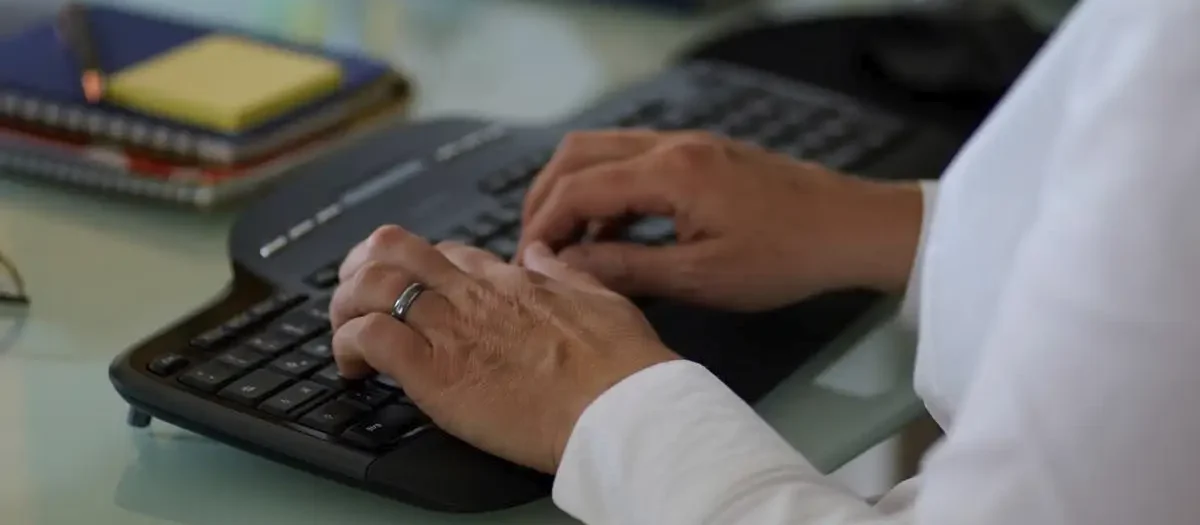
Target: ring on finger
(405, 302)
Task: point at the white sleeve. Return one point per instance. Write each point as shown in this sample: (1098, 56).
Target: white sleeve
(1084, 406)
(672, 445)
(910, 309)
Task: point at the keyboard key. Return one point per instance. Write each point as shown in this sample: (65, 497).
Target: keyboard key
(836, 129)
(318, 310)
(211, 338)
(298, 363)
(324, 278)
(210, 376)
(287, 402)
(276, 304)
(798, 117)
(385, 427)
(168, 364)
(329, 376)
(459, 236)
(272, 343)
(242, 357)
(240, 322)
(301, 325)
(504, 217)
(494, 183)
(255, 387)
(844, 158)
(386, 382)
(513, 199)
(481, 229)
(334, 416)
(813, 143)
(321, 347)
(369, 395)
(652, 230)
(503, 247)
(674, 120)
(762, 107)
(875, 139)
(289, 299)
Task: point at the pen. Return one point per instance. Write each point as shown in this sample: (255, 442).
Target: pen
(79, 39)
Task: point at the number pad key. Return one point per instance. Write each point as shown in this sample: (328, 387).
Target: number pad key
(255, 387)
(298, 363)
(286, 402)
(385, 427)
(242, 358)
(210, 376)
(300, 325)
(369, 395)
(212, 338)
(168, 364)
(272, 343)
(321, 347)
(329, 376)
(333, 417)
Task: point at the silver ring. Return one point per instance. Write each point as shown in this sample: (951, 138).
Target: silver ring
(405, 301)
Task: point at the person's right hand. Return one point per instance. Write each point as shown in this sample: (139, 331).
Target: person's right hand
(755, 230)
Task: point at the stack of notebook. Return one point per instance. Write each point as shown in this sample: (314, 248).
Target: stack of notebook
(192, 114)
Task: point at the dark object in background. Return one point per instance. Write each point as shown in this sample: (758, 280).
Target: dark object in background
(945, 68)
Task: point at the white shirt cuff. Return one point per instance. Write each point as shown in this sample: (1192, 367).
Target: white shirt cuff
(665, 446)
(910, 308)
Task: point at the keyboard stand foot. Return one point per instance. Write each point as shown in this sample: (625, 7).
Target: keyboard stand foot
(136, 418)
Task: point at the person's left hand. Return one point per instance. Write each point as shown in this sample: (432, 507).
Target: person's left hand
(505, 358)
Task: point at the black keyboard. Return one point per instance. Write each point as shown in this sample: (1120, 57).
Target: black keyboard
(254, 368)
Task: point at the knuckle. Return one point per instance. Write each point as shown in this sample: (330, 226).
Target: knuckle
(370, 275)
(386, 237)
(575, 140)
(693, 151)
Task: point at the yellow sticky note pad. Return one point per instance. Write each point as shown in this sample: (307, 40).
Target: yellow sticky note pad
(224, 82)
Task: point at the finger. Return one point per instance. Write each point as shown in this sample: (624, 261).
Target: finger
(540, 259)
(584, 149)
(638, 270)
(606, 192)
(468, 259)
(378, 343)
(376, 287)
(395, 246)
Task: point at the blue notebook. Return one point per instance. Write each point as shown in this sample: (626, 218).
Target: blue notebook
(39, 83)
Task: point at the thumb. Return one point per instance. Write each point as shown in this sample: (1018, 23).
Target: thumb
(540, 259)
(636, 269)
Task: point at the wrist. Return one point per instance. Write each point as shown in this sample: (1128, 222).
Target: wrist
(602, 380)
(881, 234)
